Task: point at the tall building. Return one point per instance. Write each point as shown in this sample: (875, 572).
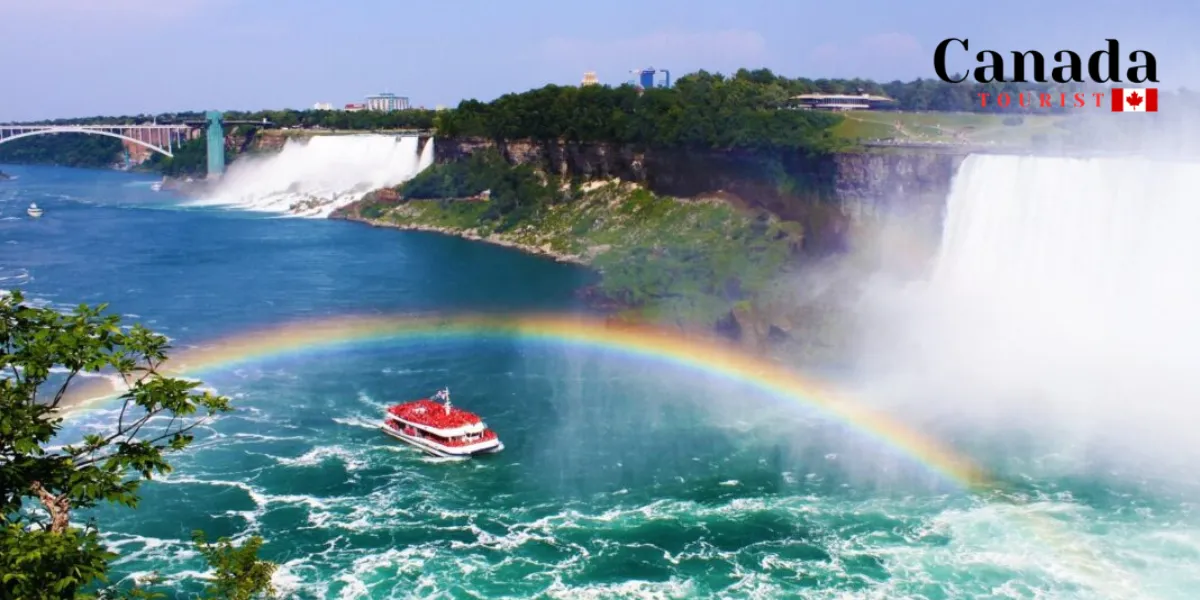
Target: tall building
(323, 106)
(646, 78)
(589, 78)
(387, 102)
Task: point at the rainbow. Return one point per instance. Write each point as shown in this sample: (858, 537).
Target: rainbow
(705, 355)
(690, 352)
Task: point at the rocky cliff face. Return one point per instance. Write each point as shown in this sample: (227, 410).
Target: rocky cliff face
(264, 141)
(830, 195)
(859, 211)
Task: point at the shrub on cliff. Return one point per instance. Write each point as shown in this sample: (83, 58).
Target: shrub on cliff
(459, 179)
(44, 552)
(515, 191)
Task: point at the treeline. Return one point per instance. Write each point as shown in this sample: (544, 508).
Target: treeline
(64, 149)
(744, 91)
(750, 109)
(702, 110)
(337, 119)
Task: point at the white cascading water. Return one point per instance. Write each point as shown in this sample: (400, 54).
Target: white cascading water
(1064, 302)
(315, 177)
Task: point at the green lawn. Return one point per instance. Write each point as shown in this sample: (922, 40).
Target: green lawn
(972, 128)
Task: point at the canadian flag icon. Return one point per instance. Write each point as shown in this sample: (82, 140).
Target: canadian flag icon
(1135, 99)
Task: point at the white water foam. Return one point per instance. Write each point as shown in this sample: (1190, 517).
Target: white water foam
(1062, 304)
(315, 177)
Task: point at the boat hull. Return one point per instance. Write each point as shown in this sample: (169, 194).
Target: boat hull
(434, 449)
(34, 213)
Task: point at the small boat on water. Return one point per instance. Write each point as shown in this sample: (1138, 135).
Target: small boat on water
(34, 211)
(156, 186)
(440, 429)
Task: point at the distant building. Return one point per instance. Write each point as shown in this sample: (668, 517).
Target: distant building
(589, 78)
(841, 101)
(646, 78)
(355, 107)
(440, 107)
(387, 102)
(323, 106)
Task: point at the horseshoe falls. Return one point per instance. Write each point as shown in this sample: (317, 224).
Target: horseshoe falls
(1064, 296)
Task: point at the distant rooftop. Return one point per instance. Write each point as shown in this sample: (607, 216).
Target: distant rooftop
(843, 97)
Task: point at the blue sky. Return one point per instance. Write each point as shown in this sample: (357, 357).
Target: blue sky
(66, 58)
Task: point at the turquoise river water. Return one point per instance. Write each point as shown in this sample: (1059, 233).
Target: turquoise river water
(621, 478)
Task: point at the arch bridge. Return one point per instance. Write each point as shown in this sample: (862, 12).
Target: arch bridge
(163, 139)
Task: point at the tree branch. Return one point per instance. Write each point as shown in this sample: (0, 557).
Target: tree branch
(59, 507)
(92, 460)
(62, 391)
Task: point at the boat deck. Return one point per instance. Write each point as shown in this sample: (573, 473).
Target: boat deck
(432, 414)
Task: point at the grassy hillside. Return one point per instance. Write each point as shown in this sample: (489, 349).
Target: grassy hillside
(661, 257)
(966, 128)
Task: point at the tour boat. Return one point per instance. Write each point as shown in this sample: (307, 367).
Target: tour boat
(34, 211)
(156, 186)
(440, 429)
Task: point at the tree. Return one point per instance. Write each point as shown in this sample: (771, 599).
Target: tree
(43, 553)
(238, 572)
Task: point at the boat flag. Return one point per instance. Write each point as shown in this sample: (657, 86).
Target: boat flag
(1135, 99)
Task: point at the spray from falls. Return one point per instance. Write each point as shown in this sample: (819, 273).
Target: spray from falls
(1062, 305)
(315, 177)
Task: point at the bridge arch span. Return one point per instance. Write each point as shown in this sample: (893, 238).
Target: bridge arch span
(56, 130)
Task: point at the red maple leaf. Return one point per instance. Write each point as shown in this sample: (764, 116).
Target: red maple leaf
(1134, 99)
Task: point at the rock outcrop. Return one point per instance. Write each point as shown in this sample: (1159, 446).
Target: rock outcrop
(829, 195)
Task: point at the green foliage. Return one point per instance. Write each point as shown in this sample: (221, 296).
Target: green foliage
(372, 211)
(662, 257)
(515, 192)
(700, 258)
(239, 574)
(191, 158)
(44, 555)
(65, 149)
(459, 179)
(702, 110)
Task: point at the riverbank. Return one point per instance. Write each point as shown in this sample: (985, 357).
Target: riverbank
(703, 265)
(687, 261)
(468, 234)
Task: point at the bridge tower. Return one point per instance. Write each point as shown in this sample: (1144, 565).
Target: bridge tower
(215, 130)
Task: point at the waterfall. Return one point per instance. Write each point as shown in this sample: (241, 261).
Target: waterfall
(427, 156)
(1064, 299)
(315, 177)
